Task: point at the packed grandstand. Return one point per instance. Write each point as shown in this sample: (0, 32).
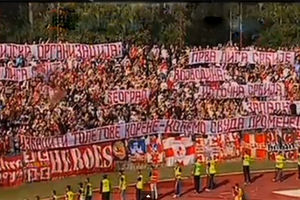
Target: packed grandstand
(69, 109)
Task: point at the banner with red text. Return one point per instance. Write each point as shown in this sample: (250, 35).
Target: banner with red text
(268, 144)
(11, 171)
(230, 56)
(242, 91)
(56, 51)
(127, 96)
(270, 107)
(25, 73)
(278, 141)
(49, 165)
(16, 74)
(139, 129)
(199, 74)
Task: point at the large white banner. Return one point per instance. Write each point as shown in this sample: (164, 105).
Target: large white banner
(229, 56)
(199, 74)
(127, 96)
(16, 74)
(243, 91)
(270, 107)
(139, 129)
(62, 51)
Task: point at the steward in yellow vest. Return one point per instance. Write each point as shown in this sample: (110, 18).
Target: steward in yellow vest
(246, 168)
(279, 163)
(88, 189)
(197, 177)
(81, 195)
(298, 165)
(69, 193)
(105, 188)
(211, 167)
(139, 186)
(122, 185)
(178, 181)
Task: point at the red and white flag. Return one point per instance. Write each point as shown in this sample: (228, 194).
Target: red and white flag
(255, 145)
(179, 149)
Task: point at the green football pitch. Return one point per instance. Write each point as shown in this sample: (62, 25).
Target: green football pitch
(44, 189)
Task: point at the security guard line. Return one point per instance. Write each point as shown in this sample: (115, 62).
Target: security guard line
(189, 177)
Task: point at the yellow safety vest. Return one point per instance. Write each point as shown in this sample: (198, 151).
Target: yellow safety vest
(70, 195)
(178, 172)
(241, 194)
(139, 184)
(90, 192)
(197, 170)
(212, 167)
(279, 161)
(105, 185)
(246, 161)
(122, 184)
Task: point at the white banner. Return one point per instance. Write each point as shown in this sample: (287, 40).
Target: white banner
(63, 51)
(200, 74)
(229, 56)
(140, 129)
(127, 96)
(243, 91)
(16, 74)
(270, 107)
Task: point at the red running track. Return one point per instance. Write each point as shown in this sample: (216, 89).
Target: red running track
(261, 188)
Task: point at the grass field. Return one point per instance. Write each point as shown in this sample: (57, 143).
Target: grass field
(43, 189)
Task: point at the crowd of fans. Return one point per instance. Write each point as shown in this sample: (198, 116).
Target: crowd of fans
(73, 97)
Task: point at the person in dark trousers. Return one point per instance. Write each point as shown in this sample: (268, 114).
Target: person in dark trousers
(88, 190)
(211, 167)
(298, 162)
(197, 177)
(279, 163)
(54, 196)
(139, 186)
(154, 176)
(81, 195)
(246, 168)
(105, 188)
(178, 180)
